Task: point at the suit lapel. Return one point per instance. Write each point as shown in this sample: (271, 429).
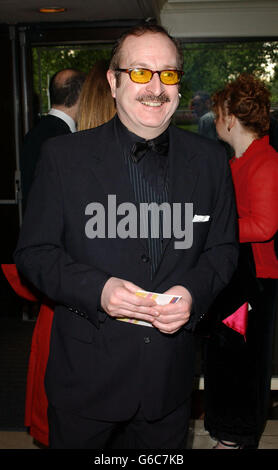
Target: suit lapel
(182, 175)
(183, 178)
(112, 172)
(109, 166)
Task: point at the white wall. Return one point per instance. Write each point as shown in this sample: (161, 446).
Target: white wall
(220, 18)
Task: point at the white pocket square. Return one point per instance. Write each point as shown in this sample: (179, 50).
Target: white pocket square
(201, 218)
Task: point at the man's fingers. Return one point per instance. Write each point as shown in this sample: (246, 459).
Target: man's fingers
(168, 319)
(122, 294)
(180, 307)
(126, 313)
(168, 328)
(132, 310)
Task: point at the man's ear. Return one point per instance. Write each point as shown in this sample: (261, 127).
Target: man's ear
(112, 81)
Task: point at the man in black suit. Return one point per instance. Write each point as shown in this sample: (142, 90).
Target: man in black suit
(64, 91)
(121, 367)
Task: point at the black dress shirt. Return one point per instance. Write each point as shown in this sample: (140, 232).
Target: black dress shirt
(149, 180)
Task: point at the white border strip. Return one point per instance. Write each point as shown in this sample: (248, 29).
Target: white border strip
(274, 383)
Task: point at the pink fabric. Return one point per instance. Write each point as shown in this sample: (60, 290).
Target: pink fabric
(238, 320)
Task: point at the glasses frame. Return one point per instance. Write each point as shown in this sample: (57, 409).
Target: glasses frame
(130, 70)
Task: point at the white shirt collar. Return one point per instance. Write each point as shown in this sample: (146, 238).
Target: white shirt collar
(65, 117)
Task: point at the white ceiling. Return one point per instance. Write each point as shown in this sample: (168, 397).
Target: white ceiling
(26, 11)
(182, 18)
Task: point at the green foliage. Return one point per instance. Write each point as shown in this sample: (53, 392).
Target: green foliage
(274, 87)
(48, 60)
(207, 66)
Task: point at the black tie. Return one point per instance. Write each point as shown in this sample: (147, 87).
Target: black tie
(139, 149)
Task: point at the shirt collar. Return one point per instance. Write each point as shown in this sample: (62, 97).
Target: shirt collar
(128, 138)
(65, 117)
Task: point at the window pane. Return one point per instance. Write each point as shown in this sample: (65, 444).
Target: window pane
(48, 60)
(208, 66)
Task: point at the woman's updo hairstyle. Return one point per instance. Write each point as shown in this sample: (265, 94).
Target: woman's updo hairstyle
(248, 99)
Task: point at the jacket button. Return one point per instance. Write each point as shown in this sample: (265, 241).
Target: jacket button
(147, 339)
(145, 258)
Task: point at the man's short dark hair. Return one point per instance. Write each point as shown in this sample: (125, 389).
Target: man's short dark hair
(139, 30)
(204, 95)
(66, 92)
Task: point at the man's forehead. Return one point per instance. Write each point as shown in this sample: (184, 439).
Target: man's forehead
(144, 44)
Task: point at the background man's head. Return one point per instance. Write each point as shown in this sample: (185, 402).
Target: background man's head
(200, 103)
(65, 87)
(145, 108)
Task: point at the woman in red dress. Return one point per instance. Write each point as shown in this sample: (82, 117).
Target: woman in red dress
(238, 367)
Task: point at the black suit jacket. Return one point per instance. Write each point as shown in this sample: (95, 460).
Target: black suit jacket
(47, 127)
(98, 366)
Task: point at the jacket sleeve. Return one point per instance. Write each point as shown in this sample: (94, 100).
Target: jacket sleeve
(261, 223)
(40, 255)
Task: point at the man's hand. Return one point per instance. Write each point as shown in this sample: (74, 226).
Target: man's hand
(173, 316)
(118, 299)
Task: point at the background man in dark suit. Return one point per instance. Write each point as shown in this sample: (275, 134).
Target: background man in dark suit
(121, 367)
(64, 91)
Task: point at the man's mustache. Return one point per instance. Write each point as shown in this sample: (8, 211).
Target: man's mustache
(163, 98)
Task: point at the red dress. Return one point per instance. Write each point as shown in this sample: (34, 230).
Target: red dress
(36, 401)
